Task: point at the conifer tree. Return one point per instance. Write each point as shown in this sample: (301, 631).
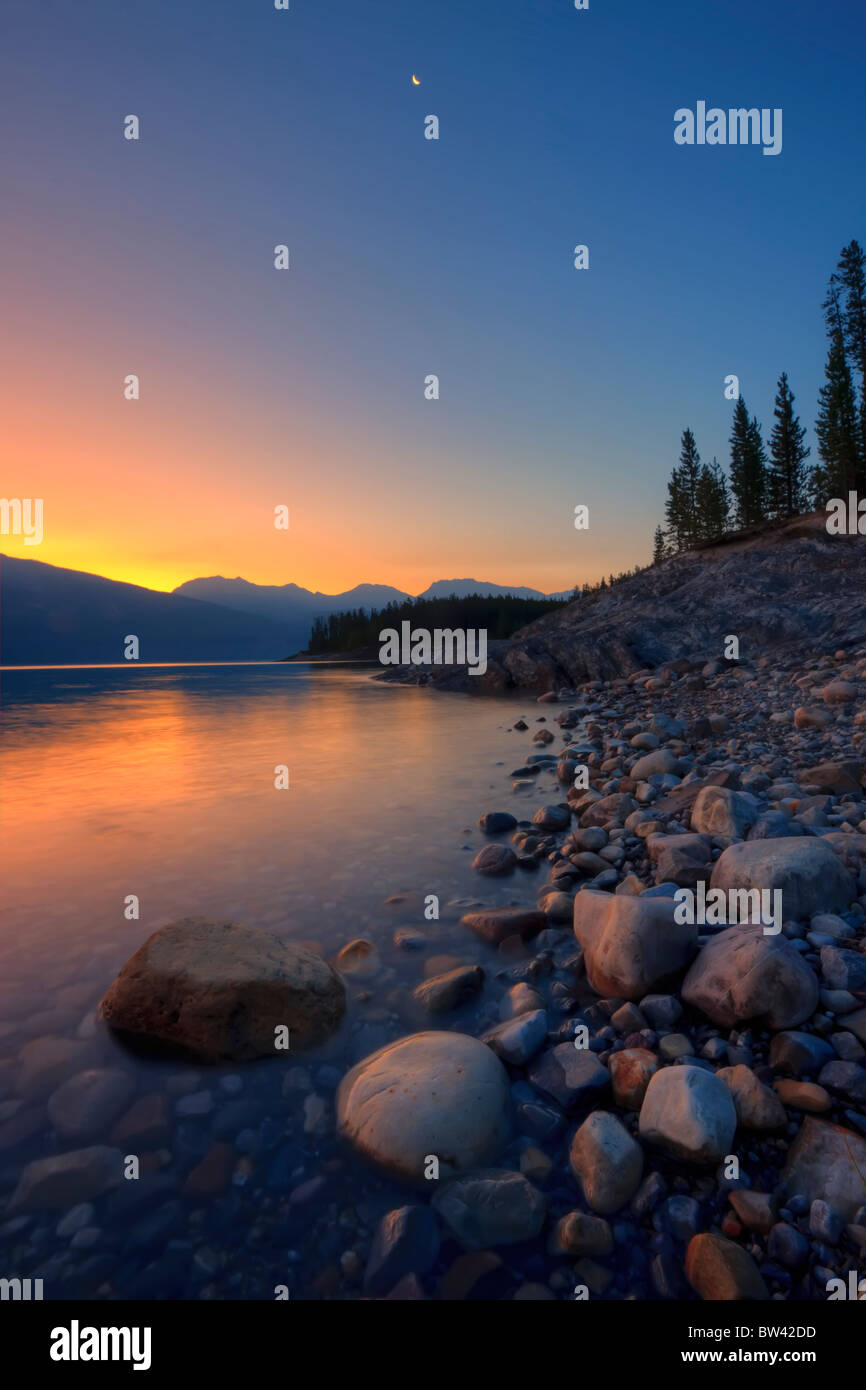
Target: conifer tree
(748, 468)
(836, 429)
(713, 502)
(787, 478)
(659, 550)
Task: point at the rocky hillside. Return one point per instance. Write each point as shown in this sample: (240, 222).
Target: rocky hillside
(779, 589)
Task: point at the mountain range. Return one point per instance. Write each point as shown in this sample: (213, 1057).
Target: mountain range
(54, 616)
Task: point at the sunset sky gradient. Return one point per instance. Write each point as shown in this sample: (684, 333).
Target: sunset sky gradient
(409, 256)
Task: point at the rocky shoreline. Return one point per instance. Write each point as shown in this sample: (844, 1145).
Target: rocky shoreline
(578, 1096)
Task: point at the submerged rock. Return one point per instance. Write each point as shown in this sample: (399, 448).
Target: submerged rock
(441, 1095)
(491, 1207)
(220, 991)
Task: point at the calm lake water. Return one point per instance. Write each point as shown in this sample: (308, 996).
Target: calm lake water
(159, 781)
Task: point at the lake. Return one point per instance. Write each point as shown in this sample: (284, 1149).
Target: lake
(159, 782)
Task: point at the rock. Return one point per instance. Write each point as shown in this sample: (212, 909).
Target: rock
(688, 1113)
(843, 969)
(661, 1010)
(442, 1094)
(495, 823)
(494, 924)
(491, 1207)
(756, 1210)
(220, 991)
(406, 1242)
(518, 1040)
(834, 778)
(719, 1270)
(212, 1175)
(552, 817)
(631, 945)
(847, 1079)
(774, 825)
(827, 1162)
(723, 813)
(609, 810)
(88, 1104)
(494, 860)
(803, 1095)
(359, 958)
(811, 717)
(445, 992)
(630, 1073)
(856, 1024)
(577, 1233)
(44, 1063)
(805, 869)
(839, 692)
(660, 760)
(757, 1106)
(787, 1247)
(571, 1076)
(606, 1161)
(743, 974)
(65, 1179)
(680, 859)
(520, 999)
(799, 1053)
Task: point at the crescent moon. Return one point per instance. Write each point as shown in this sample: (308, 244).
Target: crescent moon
(415, 81)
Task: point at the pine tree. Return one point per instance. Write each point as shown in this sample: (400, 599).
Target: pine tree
(787, 478)
(713, 502)
(836, 429)
(659, 548)
(748, 468)
(851, 280)
(675, 513)
(690, 476)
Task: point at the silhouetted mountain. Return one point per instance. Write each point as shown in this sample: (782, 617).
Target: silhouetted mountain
(52, 616)
(462, 588)
(287, 603)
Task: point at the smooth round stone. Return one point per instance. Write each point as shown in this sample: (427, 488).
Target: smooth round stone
(430, 1095)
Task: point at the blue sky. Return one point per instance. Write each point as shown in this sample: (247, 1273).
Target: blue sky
(413, 256)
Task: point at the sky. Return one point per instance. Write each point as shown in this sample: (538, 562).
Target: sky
(304, 388)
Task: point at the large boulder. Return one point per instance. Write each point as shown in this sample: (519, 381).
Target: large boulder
(805, 869)
(724, 813)
(442, 1095)
(827, 1163)
(630, 945)
(219, 991)
(688, 1113)
(744, 974)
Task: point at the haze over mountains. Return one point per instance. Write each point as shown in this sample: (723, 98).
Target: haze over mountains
(53, 616)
